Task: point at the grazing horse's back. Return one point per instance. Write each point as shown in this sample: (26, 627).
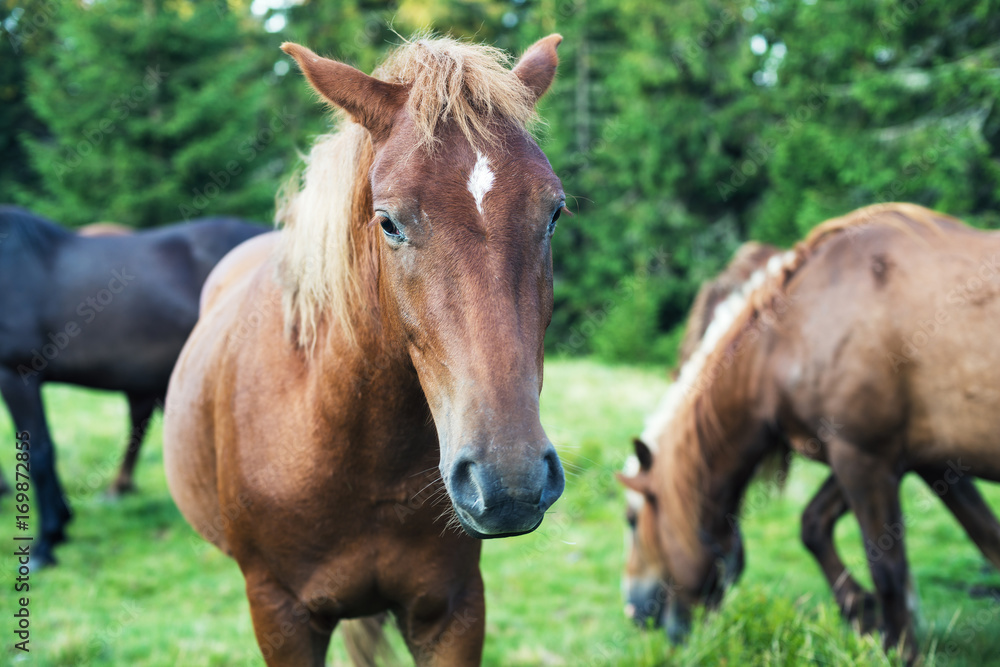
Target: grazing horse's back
(893, 348)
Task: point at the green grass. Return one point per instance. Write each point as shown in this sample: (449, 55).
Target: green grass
(136, 586)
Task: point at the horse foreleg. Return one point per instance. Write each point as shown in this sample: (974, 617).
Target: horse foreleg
(871, 486)
(450, 631)
(286, 633)
(4, 487)
(25, 402)
(818, 521)
(960, 495)
(140, 413)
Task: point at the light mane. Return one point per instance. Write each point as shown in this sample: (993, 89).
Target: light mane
(326, 262)
(687, 414)
(469, 84)
(748, 258)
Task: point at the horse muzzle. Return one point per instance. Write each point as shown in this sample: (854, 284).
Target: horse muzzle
(646, 601)
(493, 500)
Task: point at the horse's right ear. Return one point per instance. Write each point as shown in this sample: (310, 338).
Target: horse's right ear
(370, 102)
(644, 454)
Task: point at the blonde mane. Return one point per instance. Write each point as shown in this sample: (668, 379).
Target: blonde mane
(326, 264)
(687, 427)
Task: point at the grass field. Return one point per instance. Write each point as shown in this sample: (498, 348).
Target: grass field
(136, 586)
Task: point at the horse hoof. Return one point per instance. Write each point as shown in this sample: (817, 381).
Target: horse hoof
(39, 562)
(861, 611)
(121, 488)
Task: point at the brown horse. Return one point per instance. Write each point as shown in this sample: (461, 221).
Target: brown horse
(104, 229)
(644, 591)
(869, 342)
(384, 358)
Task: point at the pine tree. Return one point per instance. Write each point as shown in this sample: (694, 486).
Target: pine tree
(25, 30)
(156, 112)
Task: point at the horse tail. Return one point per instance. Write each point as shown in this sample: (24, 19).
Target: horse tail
(366, 641)
(773, 470)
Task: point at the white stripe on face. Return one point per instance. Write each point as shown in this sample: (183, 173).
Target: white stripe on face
(480, 180)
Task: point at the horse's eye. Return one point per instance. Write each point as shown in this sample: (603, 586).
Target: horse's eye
(555, 218)
(390, 229)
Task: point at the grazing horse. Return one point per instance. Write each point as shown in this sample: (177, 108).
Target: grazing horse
(108, 312)
(867, 348)
(358, 405)
(644, 592)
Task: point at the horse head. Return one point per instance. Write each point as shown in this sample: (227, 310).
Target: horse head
(463, 205)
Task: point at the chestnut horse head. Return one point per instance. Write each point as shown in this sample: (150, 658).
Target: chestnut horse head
(434, 249)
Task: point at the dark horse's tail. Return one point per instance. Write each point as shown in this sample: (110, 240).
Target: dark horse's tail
(366, 642)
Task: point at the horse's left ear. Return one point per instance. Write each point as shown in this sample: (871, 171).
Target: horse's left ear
(537, 67)
(637, 483)
(371, 102)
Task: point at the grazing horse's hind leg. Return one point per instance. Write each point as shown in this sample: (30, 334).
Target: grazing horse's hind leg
(871, 486)
(961, 496)
(141, 409)
(24, 399)
(818, 521)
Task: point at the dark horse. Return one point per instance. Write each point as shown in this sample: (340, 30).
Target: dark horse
(386, 343)
(108, 312)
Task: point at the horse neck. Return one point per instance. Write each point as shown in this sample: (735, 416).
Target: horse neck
(385, 395)
(719, 446)
(35, 236)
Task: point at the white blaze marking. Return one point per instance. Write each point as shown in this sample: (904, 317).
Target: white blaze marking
(480, 180)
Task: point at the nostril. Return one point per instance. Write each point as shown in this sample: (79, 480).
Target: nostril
(464, 489)
(555, 480)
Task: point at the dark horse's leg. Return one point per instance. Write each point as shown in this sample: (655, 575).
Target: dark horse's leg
(141, 409)
(24, 399)
(960, 496)
(959, 493)
(818, 522)
(4, 487)
(871, 486)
